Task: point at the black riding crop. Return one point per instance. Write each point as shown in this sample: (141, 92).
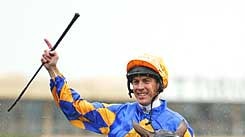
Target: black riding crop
(54, 47)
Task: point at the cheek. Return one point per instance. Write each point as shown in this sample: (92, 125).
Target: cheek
(133, 87)
(154, 89)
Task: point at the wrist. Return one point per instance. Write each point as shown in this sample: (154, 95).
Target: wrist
(51, 74)
(51, 71)
(54, 71)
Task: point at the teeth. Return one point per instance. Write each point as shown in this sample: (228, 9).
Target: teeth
(142, 94)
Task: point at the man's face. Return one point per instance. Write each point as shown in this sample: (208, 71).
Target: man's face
(144, 88)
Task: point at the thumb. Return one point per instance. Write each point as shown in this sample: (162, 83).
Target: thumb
(52, 53)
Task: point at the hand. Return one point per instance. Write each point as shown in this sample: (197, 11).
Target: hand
(49, 58)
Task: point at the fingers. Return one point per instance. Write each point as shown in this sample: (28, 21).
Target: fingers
(49, 58)
(46, 57)
(51, 53)
(48, 43)
(44, 61)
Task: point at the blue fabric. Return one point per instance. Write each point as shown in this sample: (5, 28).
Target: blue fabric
(162, 116)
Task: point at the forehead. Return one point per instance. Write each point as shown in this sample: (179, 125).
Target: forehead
(139, 77)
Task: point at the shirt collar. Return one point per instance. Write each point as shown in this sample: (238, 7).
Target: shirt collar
(147, 109)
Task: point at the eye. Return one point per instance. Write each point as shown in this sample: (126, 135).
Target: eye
(135, 82)
(147, 80)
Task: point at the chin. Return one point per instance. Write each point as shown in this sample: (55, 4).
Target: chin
(144, 103)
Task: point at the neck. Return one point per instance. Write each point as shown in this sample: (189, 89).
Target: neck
(147, 108)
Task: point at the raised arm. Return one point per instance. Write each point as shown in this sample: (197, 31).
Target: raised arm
(95, 117)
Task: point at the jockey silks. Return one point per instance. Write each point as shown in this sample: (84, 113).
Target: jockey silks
(114, 120)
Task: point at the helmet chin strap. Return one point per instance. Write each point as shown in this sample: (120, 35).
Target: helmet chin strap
(129, 90)
(152, 100)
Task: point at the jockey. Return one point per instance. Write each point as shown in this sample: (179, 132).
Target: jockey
(147, 77)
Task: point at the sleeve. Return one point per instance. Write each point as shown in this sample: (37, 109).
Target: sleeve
(95, 117)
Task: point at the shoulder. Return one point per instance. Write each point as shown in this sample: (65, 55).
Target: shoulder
(122, 107)
(170, 118)
(173, 114)
(169, 113)
(173, 119)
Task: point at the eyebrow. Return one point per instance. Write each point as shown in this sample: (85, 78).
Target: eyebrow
(144, 78)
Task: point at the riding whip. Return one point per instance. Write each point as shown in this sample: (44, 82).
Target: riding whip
(53, 48)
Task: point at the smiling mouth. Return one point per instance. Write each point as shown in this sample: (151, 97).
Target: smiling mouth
(141, 94)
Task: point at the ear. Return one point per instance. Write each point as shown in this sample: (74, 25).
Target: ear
(160, 87)
(181, 129)
(140, 130)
